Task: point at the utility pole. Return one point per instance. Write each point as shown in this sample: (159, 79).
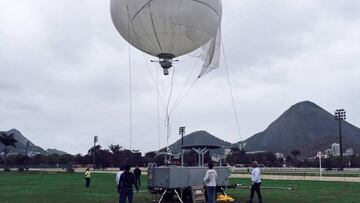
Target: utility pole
(26, 155)
(319, 155)
(340, 115)
(93, 151)
(27, 148)
(182, 132)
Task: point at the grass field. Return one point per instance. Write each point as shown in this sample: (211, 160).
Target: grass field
(69, 187)
(325, 173)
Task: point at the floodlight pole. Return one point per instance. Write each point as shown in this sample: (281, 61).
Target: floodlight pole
(27, 155)
(341, 151)
(182, 132)
(320, 167)
(93, 151)
(340, 115)
(319, 155)
(27, 148)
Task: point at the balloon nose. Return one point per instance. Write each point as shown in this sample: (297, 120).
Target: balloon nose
(166, 64)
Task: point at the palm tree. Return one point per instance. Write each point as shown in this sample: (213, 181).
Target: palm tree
(115, 150)
(94, 151)
(7, 140)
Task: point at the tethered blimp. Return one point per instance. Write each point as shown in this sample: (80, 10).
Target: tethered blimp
(168, 29)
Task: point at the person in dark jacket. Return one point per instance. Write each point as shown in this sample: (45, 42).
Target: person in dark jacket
(125, 186)
(137, 173)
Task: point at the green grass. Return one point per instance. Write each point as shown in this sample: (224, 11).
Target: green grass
(325, 174)
(69, 187)
(304, 192)
(57, 187)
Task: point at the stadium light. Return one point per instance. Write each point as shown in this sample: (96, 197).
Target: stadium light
(182, 132)
(340, 115)
(96, 138)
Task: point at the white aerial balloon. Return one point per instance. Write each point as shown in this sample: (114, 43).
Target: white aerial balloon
(167, 28)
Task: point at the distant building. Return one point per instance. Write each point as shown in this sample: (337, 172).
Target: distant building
(255, 152)
(176, 159)
(242, 145)
(215, 158)
(279, 155)
(227, 151)
(218, 158)
(328, 153)
(349, 152)
(335, 149)
(32, 154)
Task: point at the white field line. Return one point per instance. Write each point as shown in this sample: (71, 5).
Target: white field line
(310, 178)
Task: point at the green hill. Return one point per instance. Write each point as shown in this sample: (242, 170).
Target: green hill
(307, 127)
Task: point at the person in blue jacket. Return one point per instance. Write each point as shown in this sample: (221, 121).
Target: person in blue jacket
(125, 186)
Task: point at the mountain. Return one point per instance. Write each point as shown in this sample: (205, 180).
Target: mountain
(55, 151)
(200, 138)
(21, 145)
(307, 127)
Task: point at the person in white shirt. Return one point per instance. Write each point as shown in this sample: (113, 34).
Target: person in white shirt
(118, 175)
(210, 182)
(255, 182)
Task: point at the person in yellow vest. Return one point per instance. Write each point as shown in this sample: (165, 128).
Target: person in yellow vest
(87, 177)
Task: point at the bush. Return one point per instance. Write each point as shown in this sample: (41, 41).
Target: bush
(70, 170)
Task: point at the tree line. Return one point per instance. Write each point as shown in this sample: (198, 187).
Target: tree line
(293, 159)
(113, 156)
(116, 156)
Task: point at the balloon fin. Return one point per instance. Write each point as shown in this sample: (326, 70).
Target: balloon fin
(211, 57)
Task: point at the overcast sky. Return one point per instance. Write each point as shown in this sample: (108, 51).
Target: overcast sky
(64, 72)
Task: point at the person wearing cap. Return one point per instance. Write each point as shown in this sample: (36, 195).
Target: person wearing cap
(210, 181)
(255, 182)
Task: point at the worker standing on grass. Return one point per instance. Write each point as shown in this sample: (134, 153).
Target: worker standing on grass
(255, 182)
(210, 181)
(127, 180)
(118, 175)
(137, 173)
(87, 177)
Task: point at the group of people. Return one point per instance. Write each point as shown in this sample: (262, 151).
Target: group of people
(125, 180)
(210, 182)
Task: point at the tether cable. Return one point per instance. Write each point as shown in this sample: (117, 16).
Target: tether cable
(231, 91)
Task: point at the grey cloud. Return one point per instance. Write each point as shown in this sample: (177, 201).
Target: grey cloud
(64, 72)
